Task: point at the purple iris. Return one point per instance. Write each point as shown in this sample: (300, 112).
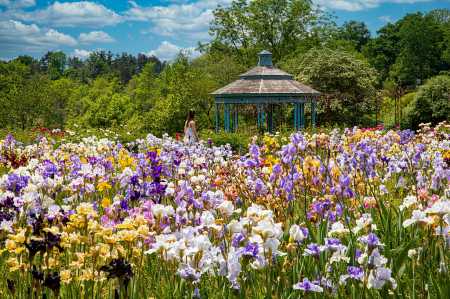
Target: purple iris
(296, 138)
(334, 245)
(254, 151)
(237, 238)
(371, 240)
(251, 250)
(314, 250)
(189, 274)
(349, 192)
(276, 169)
(308, 286)
(344, 180)
(335, 189)
(327, 204)
(318, 206)
(353, 273)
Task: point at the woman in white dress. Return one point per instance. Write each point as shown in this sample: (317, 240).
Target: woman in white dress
(190, 134)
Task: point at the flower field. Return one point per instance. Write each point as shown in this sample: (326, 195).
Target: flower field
(349, 214)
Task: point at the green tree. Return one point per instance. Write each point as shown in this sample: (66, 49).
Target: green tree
(339, 76)
(96, 65)
(145, 92)
(27, 60)
(106, 110)
(354, 31)
(60, 91)
(58, 62)
(431, 103)
(45, 61)
(420, 48)
(415, 45)
(283, 25)
(383, 50)
(25, 102)
(180, 88)
(75, 63)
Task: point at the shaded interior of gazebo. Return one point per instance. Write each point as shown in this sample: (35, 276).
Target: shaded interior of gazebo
(265, 86)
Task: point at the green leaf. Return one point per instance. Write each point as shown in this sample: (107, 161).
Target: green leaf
(400, 259)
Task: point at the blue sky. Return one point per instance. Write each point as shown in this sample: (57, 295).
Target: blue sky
(160, 28)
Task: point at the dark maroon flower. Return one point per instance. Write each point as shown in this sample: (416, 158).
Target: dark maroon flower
(34, 247)
(118, 269)
(38, 275)
(53, 282)
(53, 240)
(38, 225)
(11, 286)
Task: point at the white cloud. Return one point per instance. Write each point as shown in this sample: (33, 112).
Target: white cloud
(188, 21)
(18, 37)
(95, 37)
(17, 3)
(167, 51)
(74, 14)
(356, 5)
(129, 36)
(82, 54)
(385, 18)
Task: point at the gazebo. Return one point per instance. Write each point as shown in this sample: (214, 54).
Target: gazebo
(265, 85)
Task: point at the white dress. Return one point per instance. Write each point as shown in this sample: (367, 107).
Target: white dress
(189, 138)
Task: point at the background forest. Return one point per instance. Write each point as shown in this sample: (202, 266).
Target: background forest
(396, 77)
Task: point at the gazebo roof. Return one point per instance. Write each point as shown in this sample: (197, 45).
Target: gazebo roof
(265, 87)
(264, 52)
(265, 80)
(264, 72)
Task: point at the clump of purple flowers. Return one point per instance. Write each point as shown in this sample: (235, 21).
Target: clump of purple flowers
(308, 286)
(353, 273)
(189, 274)
(371, 240)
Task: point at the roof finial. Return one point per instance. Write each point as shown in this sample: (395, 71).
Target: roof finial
(265, 47)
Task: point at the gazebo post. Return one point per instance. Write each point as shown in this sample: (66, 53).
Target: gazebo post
(234, 118)
(304, 118)
(302, 112)
(237, 119)
(313, 108)
(257, 107)
(227, 118)
(217, 118)
(295, 116)
(262, 115)
(271, 119)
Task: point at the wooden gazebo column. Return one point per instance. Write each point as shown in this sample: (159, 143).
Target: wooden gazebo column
(217, 118)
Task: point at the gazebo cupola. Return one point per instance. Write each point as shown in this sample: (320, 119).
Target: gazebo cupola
(265, 86)
(265, 57)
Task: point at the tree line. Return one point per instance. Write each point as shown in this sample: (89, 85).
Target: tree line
(398, 77)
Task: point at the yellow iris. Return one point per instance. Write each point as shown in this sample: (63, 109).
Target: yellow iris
(101, 186)
(106, 202)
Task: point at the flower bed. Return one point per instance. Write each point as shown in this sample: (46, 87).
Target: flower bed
(355, 213)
